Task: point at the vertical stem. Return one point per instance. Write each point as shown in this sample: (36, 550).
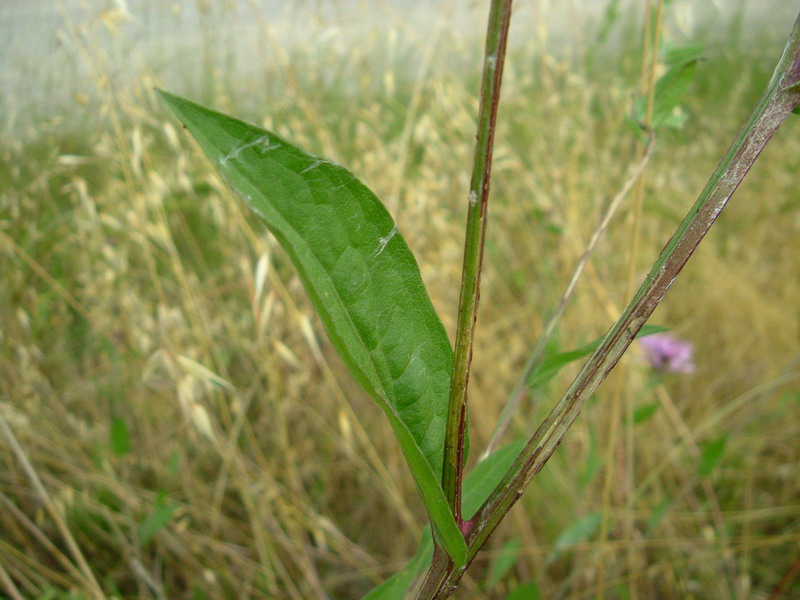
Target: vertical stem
(778, 100)
(781, 96)
(496, 38)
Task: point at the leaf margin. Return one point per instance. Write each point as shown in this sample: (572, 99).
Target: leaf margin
(424, 475)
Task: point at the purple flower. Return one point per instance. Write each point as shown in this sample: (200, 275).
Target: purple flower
(668, 354)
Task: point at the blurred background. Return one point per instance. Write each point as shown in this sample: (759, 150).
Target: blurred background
(173, 421)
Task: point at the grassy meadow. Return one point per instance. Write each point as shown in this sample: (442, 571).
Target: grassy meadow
(174, 423)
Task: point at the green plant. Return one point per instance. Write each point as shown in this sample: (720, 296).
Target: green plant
(365, 285)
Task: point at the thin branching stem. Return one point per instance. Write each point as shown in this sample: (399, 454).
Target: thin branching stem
(496, 38)
(781, 96)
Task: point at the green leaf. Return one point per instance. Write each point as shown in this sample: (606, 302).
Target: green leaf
(506, 558)
(593, 462)
(395, 587)
(680, 55)
(120, 440)
(526, 591)
(551, 364)
(486, 475)
(173, 466)
(621, 592)
(667, 96)
(658, 514)
(579, 531)
(643, 413)
(670, 90)
(610, 17)
(711, 455)
(478, 484)
(158, 519)
(362, 280)
(676, 120)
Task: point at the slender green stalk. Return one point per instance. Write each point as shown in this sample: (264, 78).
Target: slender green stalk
(781, 96)
(496, 38)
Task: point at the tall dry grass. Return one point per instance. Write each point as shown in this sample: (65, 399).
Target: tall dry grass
(175, 425)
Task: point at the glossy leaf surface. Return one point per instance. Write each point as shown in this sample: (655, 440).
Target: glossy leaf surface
(361, 277)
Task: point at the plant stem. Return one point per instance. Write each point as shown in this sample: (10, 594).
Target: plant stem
(775, 105)
(496, 38)
(781, 96)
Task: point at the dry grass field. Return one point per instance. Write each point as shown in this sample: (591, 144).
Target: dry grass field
(174, 423)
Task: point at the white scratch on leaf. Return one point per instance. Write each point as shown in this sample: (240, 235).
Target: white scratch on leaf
(314, 165)
(383, 241)
(263, 142)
